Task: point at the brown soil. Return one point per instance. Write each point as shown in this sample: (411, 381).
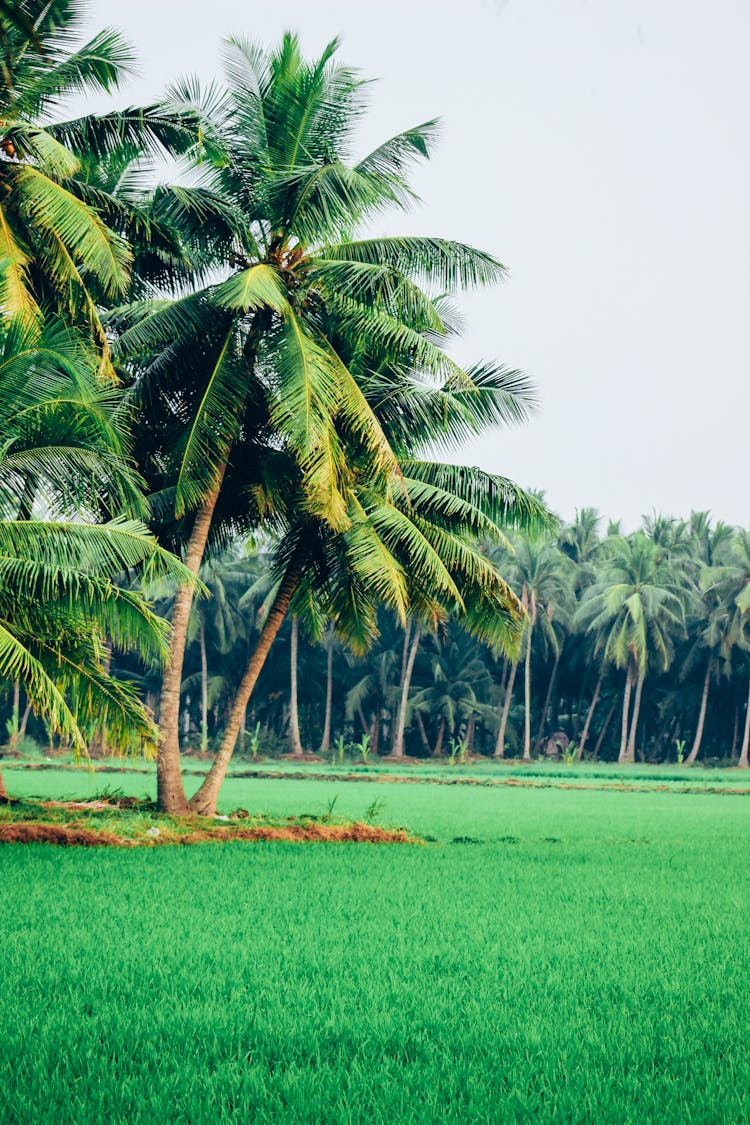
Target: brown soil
(329, 833)
(31, 832)
(62, 834)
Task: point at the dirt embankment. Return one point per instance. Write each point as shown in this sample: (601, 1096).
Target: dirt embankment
(75, 835)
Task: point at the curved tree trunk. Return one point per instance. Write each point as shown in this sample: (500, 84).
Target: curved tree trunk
(204, 801)
(204, 689)
(636, 713)
(701, 715)
(590, 713)
(295, 742)
(171, 792)
(440, 735)
(500, 744)
(742, 763)
(623, 755)
(24, 720)
(397, 746)
(527, 702)
(423, 734)
(325, 742)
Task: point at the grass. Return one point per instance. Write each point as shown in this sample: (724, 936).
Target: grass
(579, 956)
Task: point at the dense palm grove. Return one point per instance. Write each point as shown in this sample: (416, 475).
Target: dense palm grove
(227, 498)
(648, 627)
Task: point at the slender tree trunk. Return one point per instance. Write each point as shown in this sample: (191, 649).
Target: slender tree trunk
(500, 744)
(603, 731)
(548, 698)
(205, 799)
(636, 713)
(423, 734)
(171, 792)
(701, 714)
(24, 720)
(375, 733)
(295, 742)
(470, 733)
(746, 736)
(204, 689)
(325, 742)
(439, 740)
(527, 702)
(397, 747)
(623, 755)
(590, 713)
(735, 732)
(13, 740)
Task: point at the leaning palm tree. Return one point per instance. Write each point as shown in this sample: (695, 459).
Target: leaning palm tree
(56, 249)
(265, 364)
(62, 610)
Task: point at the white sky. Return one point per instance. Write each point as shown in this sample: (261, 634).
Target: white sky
(600, 149)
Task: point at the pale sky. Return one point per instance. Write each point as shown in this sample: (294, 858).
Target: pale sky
(600, 148)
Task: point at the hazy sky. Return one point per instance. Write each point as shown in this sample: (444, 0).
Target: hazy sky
(600, 149)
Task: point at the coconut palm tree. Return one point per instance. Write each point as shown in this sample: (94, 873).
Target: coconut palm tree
(728, 580)
(634, 610)
(543, 579)
(256, 365)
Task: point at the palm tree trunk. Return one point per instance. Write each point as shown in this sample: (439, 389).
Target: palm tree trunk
(500, 744)
(746, 737)
(13, 740)
(170, 790)
(397, 747)
(636, 713)
(205, 799)
(623, 755)
(603, 731)
(375, 734)
(204, 689)
(548, 698)
(470, 733)
(590, 712)
(701, 714)
(24, 720)
(325, 742)
(243, 725)
(295, 742)
(735, 731)
(423, 734)
(527, 702)
(439, 740)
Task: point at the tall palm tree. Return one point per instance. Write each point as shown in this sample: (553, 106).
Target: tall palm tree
(633, 611)
(729, 580)
(258, 362)
(543, 578)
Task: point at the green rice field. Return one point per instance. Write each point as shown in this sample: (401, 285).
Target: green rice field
(549, 955)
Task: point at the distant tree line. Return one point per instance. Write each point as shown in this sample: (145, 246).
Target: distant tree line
(636, 648)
